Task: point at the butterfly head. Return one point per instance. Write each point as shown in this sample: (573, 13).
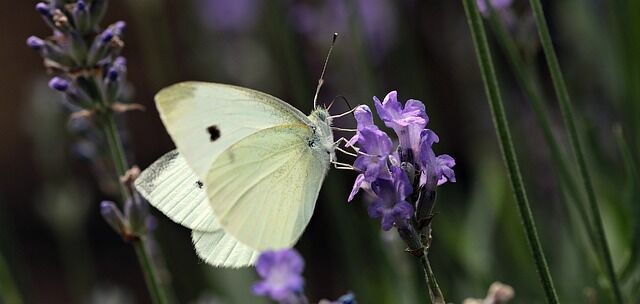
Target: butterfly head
(322, 139)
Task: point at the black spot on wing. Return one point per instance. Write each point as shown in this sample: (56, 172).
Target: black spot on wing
(214, 132)
(199, 184)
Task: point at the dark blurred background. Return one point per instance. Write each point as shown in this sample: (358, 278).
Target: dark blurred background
(59, 249)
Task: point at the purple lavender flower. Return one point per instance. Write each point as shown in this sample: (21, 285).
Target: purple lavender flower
(391, 203)
(376, 18)
(281, 273)
(375, 147)
(364, 119)
(408, 121)
(391, 176)
(435, 170)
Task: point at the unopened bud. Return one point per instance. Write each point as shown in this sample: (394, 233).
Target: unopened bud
(112, 215)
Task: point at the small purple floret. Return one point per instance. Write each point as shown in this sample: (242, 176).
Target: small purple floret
(106, 36)
(391, 202)
(35, 43)
(81, 6)
(407, 121)
(281, 273)
(59, 84)
(43, 9)
(119, 27)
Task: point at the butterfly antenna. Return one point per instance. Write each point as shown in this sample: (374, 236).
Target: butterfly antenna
(341, 97)
(324, 68)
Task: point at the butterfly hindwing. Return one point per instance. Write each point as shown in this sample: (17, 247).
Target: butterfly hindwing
(263, 188)
(172, 187)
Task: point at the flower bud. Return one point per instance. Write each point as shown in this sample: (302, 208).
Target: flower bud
(81, 17)
(136, 211)
(112, 215)
(35, 43)
(59, 84)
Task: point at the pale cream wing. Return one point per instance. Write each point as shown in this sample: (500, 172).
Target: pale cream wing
(204, 119)
(172, 187)
(263, 188)
(221, 249)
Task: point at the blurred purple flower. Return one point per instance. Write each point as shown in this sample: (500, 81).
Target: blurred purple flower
(59, 84)
(498, 5)
(281, 273)
(376, 18)
(237, 15)
(391, 203)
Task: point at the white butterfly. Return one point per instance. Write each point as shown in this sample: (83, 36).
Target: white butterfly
(247, 170)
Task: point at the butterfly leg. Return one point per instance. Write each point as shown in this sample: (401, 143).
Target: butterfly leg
(343, 166)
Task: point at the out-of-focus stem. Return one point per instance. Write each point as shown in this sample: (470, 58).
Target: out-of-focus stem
(434, 290)
(110, 129)
(534, 96)
(567, 114)
(506, 145)
(415, 246)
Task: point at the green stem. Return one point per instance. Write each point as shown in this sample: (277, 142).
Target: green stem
(502, 128)
(9, 292)
(416, 247)
(149, 270)
(434, 290)
(534, 96)
(567, 115)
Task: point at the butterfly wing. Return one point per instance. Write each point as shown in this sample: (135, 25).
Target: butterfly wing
(263, 188)
(172, 187)
(204, 119)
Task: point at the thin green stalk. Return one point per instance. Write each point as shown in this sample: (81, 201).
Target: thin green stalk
(534, 96)
(634, 180)
(502, 129)
(434, 290)
(9, 292)
(567, 115)
(149, 270)
(415, 246)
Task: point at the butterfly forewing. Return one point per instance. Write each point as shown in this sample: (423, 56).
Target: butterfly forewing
(204, 119)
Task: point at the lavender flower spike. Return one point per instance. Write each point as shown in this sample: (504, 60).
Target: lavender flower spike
(281, 275)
